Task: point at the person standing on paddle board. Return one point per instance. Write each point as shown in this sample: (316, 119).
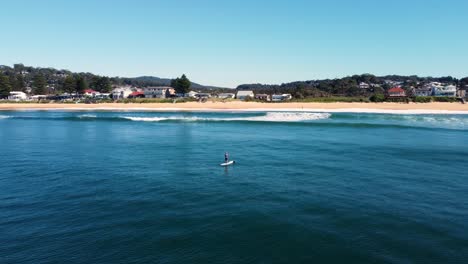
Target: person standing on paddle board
(226, 157)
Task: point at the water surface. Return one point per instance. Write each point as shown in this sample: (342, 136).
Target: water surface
(146, 187)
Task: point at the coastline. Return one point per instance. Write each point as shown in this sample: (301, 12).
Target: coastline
(411, 108)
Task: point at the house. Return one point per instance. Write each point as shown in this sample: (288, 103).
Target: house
(226, 95)
(281, 97)
(103, 96)
(122, 92)
(423, 91)
(137, 95)
(439, 89)
(158, 92)
(263, 97)
(393, 83)
(242, 95)
(90, 92)
(396, 92)
(17, 96)
(38, 97)
(364, 85)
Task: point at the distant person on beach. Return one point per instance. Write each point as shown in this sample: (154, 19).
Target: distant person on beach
(226, 157)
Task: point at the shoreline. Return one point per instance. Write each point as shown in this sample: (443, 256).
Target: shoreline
(391, 108)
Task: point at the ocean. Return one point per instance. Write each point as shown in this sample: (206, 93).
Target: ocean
(147, 187)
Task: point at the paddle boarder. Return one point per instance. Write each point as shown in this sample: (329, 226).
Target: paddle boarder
(226, 157)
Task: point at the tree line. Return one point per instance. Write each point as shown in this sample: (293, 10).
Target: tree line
(349, 86)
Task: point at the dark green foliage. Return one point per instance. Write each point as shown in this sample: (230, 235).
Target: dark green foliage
(19, 84)
(69, 85)
(422, 99)
(332, 99)
(347, 86)
(445, 99)
(377, 98)
(101, 84)
(5, 86)
(181, 85)
(39, 84)
(81, 85)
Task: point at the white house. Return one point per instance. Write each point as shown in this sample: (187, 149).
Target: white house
(423, 91)
(226, 95)
(439, 89)
(242, 95)
(39, 97)
(158, 92)
(122, 92)
(281, 97)
(364, 85)
(90, 93)
(17, 95)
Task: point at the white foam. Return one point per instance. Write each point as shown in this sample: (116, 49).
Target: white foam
(268, 117)
(145, 119)
(4, 116)
(87, 116)
(286, 117)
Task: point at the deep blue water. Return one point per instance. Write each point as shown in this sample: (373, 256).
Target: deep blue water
(146, 187)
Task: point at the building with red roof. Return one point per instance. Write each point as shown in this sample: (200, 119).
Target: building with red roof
(396, 92)
(137, 95)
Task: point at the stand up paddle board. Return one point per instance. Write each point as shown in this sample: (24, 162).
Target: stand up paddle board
(228, 163)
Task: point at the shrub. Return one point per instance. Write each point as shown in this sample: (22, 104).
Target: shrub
(377, 98)
(445, 99)
(331, 99)
(422, 99)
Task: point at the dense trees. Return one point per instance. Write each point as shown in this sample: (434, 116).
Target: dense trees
(181, 85)
(19, 84)
(5, 86)
(347, 86)
(39, 84)
(81, 85)
(101, 84)
(69, 85)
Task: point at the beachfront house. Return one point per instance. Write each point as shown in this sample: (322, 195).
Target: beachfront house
(38, 97)
(422, 91)
(243, 95)
(263, 97)
(17, 96)
(396, 92)
(226, 96)
(158, 92)
(122, 92)
(90, 93)
(136, 94)
(281, 97)
(439, 89)
(103, 96)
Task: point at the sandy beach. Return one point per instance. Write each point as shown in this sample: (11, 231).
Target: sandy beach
(253, 106)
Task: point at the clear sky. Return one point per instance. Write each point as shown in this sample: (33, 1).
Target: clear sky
(230, 42)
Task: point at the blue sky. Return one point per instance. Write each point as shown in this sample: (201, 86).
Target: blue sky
(228, 43)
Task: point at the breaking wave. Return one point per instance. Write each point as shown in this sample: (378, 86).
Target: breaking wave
(87, 116)
(268, 117)
(4, 116)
